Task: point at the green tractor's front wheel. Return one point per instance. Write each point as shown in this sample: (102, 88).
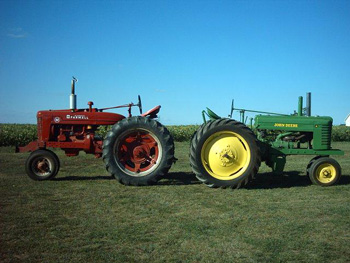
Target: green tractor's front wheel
(324, 171)
(224, 153)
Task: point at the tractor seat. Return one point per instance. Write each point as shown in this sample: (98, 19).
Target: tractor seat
(152, 112)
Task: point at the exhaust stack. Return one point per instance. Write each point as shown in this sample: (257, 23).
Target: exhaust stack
(73, 97)
(308, 104)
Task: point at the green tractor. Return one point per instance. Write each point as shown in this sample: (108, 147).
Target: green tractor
(227, 153)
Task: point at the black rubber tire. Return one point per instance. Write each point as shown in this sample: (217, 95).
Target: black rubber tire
(316, 163)
(51, 163)
(165, 147)
(311, 162)
(216, 126)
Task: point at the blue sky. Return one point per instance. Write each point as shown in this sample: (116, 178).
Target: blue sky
(183, 55)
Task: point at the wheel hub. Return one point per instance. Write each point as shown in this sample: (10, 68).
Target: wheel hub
(42, 166)
(227, 157)
(140, 153)
(326, 173)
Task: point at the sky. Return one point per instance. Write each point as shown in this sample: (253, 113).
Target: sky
(182, 55)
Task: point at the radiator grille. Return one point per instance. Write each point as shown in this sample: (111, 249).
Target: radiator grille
(40, 127)
(326, 136)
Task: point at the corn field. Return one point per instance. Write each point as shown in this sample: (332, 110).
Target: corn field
(21, 134)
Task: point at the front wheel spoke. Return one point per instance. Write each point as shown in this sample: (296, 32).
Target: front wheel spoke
(151, 160)
(123, 152)
(137, 168)
(152, 144)
(124, 158)
(124, 147)
(138, 137)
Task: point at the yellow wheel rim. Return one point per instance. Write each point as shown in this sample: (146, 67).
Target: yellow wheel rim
(326, 173)
(225, 155)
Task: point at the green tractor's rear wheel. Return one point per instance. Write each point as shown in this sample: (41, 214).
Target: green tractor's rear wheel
(324, 171)
(224, 153)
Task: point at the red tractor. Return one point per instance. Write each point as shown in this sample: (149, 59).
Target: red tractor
(137, 150)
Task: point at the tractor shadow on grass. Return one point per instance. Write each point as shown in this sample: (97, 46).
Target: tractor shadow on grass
(344, 180)
(286, 180)
(172, 178)
(83, 178)
(262, 180)
(175, 178)
(179, 178)
(271, 180)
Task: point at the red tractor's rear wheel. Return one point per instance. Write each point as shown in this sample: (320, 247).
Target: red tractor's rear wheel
(138, 151)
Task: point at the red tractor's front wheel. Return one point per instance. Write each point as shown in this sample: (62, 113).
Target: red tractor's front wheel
(138, 151)
(42, 165)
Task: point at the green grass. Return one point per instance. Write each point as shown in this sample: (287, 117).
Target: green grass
(86, 216)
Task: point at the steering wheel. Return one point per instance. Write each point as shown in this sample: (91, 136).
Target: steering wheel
(139, 104)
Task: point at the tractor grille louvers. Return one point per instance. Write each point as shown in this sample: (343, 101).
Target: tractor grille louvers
(326, 136)
(40, 126)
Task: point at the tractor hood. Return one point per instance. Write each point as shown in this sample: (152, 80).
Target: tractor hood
(79, 117)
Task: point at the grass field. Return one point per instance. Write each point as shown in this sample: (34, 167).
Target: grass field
(86, 216)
